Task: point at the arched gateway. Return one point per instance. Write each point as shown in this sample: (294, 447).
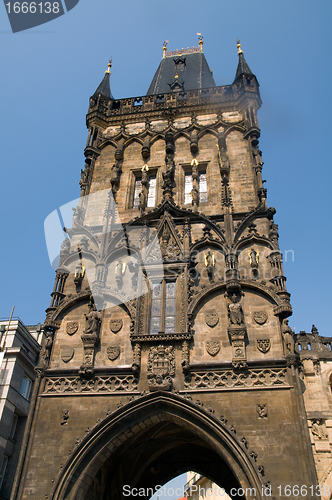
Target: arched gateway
(168, 346)
(150, 441)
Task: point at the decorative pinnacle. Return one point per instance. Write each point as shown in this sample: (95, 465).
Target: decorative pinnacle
(165, 48)
(145, 168)
(109, 66)
(200, 41)
(240, 51)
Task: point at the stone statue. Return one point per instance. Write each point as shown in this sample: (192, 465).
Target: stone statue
(288, 336)
(168, 176)
(46, 349)
(318, 429)
(235, 311)
(115, 176)
(253, 257)
(195, 195)
(209, 263)
(93, 321)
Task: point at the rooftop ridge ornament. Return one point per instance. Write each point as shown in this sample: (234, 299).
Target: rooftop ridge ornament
(200, 41)
(108, 71)
(165, 48)
(240, 51)
(180, 52)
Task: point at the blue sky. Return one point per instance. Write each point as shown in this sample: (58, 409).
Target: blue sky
(49, 72)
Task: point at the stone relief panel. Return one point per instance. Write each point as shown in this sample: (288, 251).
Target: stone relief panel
(210, 327)
(263, 327)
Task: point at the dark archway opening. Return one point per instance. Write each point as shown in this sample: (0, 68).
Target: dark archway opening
(152, 457)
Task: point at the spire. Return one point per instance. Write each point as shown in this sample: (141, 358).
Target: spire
(105, 86)
(242, 67)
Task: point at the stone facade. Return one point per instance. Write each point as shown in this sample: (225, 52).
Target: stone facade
(168, 341)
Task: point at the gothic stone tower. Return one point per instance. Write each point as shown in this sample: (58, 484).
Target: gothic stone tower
(169, 347)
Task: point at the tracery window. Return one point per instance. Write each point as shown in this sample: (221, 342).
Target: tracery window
(188, 186)
(163, 305)
(151, 201)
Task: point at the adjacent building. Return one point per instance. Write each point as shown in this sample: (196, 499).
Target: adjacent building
(21, 346)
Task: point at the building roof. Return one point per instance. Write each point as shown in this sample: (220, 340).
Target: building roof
(242, 67)
(183, 71)
(105, 86)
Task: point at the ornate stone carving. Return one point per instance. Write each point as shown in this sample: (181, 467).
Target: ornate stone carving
(161, 367)
(260, 317)
(185, 357)
(212, 347)
(65, 417)
(263, 345)
(98, 384)
(318, 429)
(211, 319)
(136, 366)
(228, 379)
(262, 411)
(71, 327)
(113, 352)
(116, 325)
(67, 353)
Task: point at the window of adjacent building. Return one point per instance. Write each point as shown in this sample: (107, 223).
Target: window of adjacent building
(13, 427)
(26, 387)
(202, 186)
(162, 318)
(151, 191)
(3, 469)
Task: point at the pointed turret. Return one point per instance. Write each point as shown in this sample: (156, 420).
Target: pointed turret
(242, 67)
(105, 86)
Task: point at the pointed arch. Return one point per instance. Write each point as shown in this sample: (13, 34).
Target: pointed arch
(135, 423)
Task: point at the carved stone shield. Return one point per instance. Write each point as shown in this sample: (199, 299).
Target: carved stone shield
(71, 327)
(116, 325)
(113, 352)
(66, 354)
(211, 319)
(212, 348)
(260, 317)
(263, 345)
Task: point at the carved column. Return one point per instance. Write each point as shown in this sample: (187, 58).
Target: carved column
(90, 339)
(195, 185)
(168, 175)
(136, 366)
(237, 331)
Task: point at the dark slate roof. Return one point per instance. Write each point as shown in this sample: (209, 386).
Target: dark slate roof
(105, 87)
(242, 67)
(193, 73)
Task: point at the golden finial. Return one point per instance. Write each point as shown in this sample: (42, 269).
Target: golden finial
(165, 48)
(109, 66)
(240, 51)
(145, 168)
(200, 41)
(194, 162)
(176, 74)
